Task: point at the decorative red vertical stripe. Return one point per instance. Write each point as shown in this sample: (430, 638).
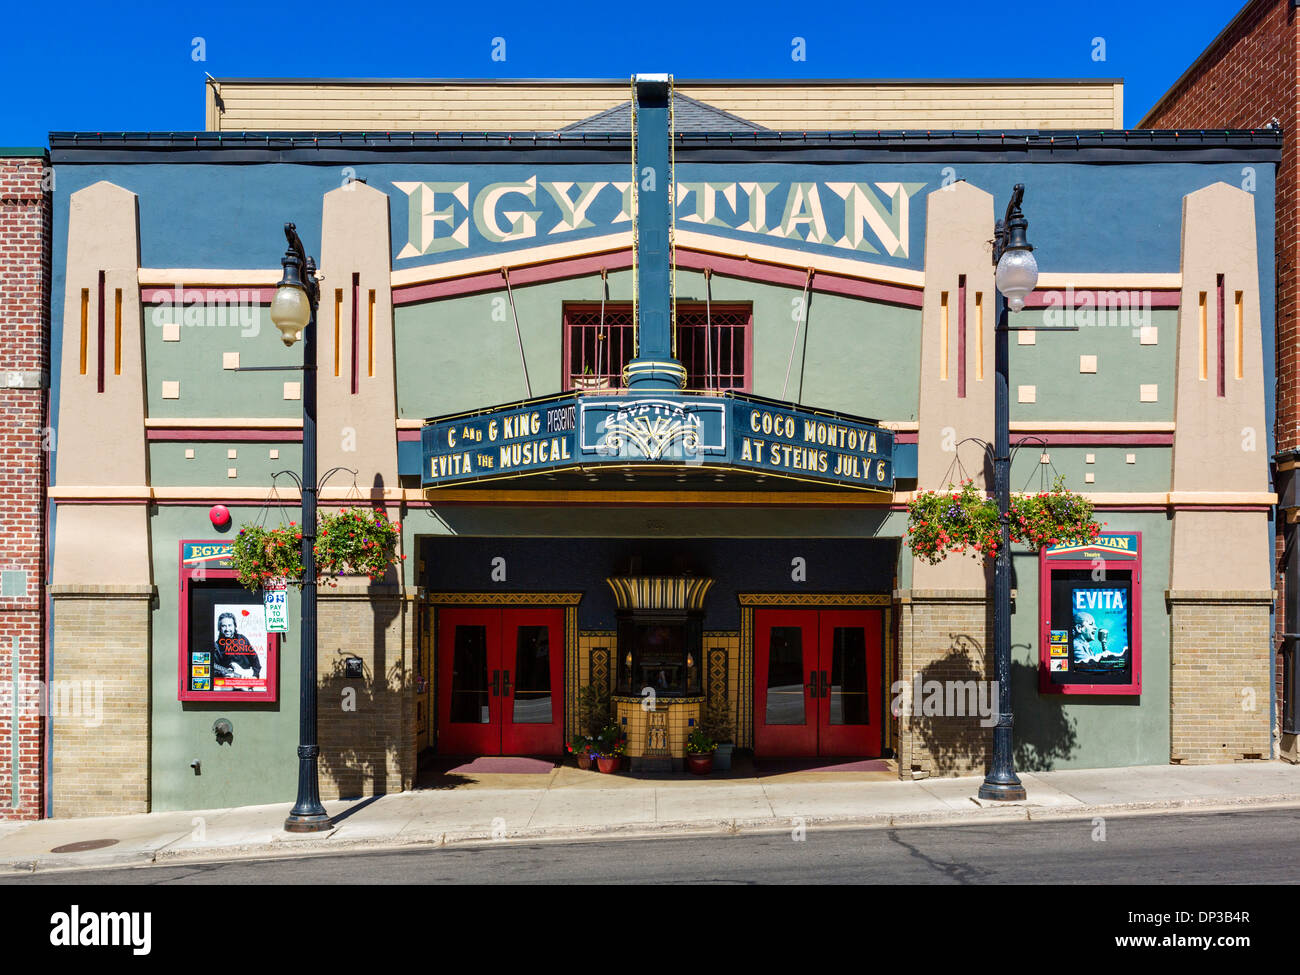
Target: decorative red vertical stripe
(1222, 366)
(961, 336)
(356, 334)
(100, 346)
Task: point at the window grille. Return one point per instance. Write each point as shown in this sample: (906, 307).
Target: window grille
(594, 359)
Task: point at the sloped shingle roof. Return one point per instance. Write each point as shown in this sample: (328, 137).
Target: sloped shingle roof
(689, 115)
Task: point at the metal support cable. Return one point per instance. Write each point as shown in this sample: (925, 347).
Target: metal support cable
(600, 331)
(803, 314)
(708, 325)
(523, 360)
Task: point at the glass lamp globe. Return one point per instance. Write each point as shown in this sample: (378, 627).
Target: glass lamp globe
(1016, 276)
(291, 311)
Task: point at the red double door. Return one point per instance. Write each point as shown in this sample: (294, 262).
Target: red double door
(817, 682)
(500, 681)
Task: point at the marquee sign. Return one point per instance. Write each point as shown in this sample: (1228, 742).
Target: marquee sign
(657, 429)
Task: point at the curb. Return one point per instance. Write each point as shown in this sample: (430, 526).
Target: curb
(328, 846)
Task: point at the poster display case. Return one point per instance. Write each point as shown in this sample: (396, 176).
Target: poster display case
(1090, 602)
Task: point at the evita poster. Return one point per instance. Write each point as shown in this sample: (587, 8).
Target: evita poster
(1099, 638)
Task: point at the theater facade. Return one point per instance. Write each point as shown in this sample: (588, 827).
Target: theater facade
(649, 399)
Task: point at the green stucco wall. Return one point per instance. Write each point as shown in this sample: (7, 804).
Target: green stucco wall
(442, 346)
(260, 765)
(1051, 364)
(1101, 731)
(195, 361)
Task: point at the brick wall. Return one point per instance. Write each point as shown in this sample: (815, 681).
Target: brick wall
(1219, 681)
(24, 349)
(1247, 78)
(366, 725)
(943, 636)
(100, 709)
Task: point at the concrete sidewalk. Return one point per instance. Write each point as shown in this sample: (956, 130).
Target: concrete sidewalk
(569, 804)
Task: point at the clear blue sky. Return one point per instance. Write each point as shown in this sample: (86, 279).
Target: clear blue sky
(113, 66)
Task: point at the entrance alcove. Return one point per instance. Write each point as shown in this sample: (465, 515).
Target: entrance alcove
(659, 668)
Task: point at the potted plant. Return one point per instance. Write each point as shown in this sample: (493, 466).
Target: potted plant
(699, 752)
(581, 747)
(589, 381)
(716, 723)
(610, 748)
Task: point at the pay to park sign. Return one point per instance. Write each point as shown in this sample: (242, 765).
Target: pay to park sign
(275, 598)
(729, 431)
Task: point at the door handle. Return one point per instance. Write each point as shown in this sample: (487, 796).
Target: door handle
(496, 683)
(812, 683)
(506, 689)
(826, 685)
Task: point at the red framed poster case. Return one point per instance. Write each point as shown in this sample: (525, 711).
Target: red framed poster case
(1112, 551)
(210, 562)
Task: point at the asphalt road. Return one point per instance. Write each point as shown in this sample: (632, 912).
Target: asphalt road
(1251, 847)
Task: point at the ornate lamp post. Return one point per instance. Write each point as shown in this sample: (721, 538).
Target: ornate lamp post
(1017, 273)
(293, 310)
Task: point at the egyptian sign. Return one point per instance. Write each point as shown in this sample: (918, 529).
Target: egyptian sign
(587, 430)
(207, 555)
(1108, 546)
(457, 217)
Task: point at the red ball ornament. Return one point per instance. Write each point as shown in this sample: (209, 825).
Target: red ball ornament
(219, 515)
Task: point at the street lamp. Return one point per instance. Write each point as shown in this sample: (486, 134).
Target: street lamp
(1017, 273)
(293, 310)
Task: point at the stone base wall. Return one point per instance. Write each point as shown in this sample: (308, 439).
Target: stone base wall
(99, 708)
(366, 725)
(946, 636)
(1221, 656)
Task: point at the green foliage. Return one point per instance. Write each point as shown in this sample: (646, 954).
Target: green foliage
(964, 521)
(699, 743)
(593, 711)
(260, 554)
(611, 742)
(357, 541)
(352, 541)
(1053, 517)
(716, 721)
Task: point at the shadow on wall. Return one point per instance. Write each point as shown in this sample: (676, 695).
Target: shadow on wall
(362, 720)
(1044, 734)
(946, 714)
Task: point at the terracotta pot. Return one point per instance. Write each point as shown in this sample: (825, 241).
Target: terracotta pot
(610, 763)
(700, 764)
(584, 760)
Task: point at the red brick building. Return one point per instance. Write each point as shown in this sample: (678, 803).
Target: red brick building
(1247, 78)
(24, 382)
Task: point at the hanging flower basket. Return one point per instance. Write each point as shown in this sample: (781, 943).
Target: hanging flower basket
(260, 554)
(353, 541)
(357, 541)
(963, 521)
(959, 520)
(1053, 517)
